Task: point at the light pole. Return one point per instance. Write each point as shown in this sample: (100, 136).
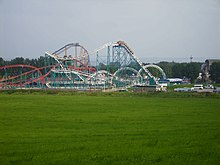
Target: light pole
(191, 58)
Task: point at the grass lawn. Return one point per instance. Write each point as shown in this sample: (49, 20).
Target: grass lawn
(53, 129)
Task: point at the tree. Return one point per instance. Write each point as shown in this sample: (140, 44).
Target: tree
(188, 70)
(179, 70)
(167, 68)
(192, 70)
(2, 61)
(40, 62)
(17, 60)
(215, 72)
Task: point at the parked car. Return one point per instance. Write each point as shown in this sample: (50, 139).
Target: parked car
(209, 86)
(197, 87)
(161, 87)
(216, 89)
(185, 89)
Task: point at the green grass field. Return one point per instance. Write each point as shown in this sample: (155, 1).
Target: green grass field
(53, 129)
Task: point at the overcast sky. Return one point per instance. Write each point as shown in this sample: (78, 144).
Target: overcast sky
(157, 30)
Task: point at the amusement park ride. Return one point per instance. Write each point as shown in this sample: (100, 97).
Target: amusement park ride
(117, 67)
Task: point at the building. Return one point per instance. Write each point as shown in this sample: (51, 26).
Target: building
(205, 69)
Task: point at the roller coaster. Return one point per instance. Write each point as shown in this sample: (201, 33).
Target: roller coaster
(116, 67)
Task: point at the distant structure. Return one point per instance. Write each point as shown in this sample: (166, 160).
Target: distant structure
(191, 58)
(205, 68)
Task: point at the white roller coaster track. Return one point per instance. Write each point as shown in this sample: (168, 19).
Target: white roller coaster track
(130, 51)
(55, 58)
(101, 72)
(135, 58)
(104, 46)
(71, 71)
(127, 68)
(154, 66)
(118, 43)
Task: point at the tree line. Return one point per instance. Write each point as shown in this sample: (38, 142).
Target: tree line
(181, 70)
(172, 69)
(38, 62)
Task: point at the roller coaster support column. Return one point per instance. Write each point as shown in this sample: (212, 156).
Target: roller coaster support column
(108, 65)
(6, 76)
(152, 81)
(32, 76)
(117, 53)
(119, 66)
(21, 77)
(97, 67)
(38, 82)
(25, 80)
(108, 58)
(45, 70)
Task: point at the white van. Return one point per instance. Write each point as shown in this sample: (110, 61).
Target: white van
(197, 87)
(161, 87)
